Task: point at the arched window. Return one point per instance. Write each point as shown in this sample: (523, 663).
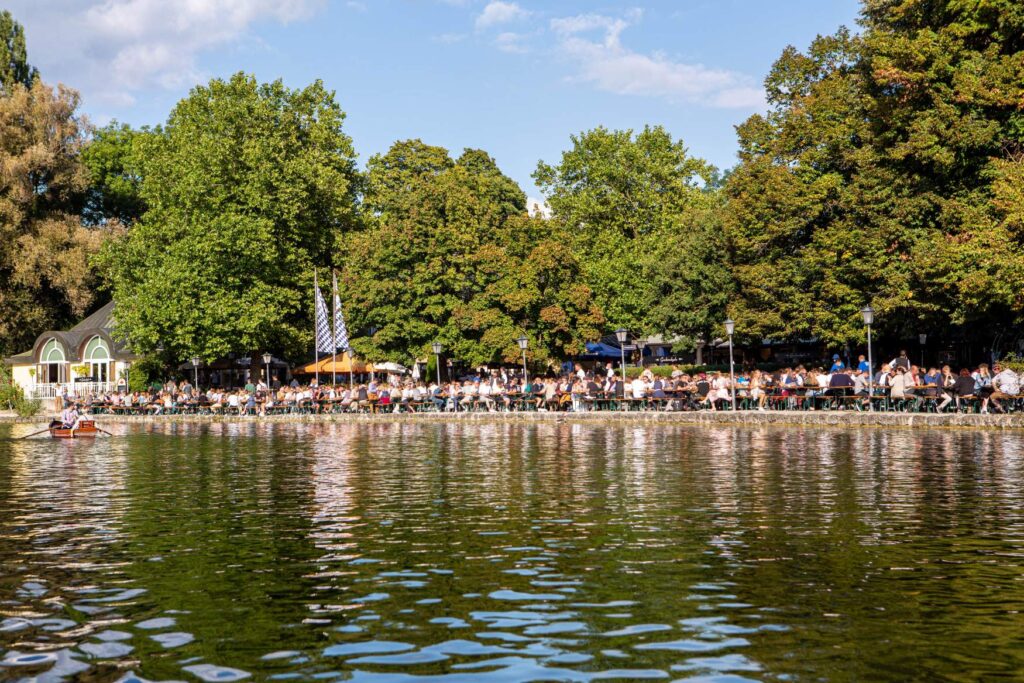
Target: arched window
(53, 352)
(97, 357)
(52, 363)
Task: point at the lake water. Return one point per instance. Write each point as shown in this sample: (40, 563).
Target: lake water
(508, 552)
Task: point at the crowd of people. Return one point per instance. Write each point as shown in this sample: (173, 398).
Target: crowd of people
(896, 385)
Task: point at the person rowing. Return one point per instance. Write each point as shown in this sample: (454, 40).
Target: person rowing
(70, 417)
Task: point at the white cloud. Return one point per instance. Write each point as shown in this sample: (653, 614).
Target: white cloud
(112, 49)
(593, 43)
(498, 12)
(511, 42)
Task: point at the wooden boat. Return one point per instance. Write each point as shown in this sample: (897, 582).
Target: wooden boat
(86, 428)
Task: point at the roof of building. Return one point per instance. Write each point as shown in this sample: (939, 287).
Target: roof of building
(101, 322)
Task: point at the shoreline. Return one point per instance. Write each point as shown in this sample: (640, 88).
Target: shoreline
(782, 418)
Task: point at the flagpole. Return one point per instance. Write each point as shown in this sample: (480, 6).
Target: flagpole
(348, 347)
(316, 332)
(334, 330)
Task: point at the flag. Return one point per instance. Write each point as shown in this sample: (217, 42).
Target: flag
(340, 333)
(323, 322)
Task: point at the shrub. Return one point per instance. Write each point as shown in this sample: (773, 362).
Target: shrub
(12, 396)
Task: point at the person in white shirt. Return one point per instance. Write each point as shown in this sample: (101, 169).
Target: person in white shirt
(469, 394)
(1006, 385)
(484, 394)
(638, 388)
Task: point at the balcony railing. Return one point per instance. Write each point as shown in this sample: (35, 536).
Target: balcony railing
(77, 389)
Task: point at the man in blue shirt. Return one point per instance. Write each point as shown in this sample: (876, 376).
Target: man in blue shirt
(862, 364)
(837, 364)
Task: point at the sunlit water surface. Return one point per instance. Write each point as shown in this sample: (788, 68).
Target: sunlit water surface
(502, 552)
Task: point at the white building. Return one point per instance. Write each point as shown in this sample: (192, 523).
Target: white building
(85, 359)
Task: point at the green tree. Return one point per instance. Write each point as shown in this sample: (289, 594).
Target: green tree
(883, 174)
(449, 254)
(620, 197)
(46, 278)
(691, 283)
(246, 188)
(14, 66)
(114, 158)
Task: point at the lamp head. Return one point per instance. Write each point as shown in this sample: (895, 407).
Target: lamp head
(196, 360)
(923, 338)
(641, 344)
(523, 343)
(730, 326)
(436, 348)
(622, 334)
(267, 358)
(868, 314)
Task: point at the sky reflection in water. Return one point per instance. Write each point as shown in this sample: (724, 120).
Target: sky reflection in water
(504, 552)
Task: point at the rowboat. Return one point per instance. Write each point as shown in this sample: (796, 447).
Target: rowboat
(86, 428)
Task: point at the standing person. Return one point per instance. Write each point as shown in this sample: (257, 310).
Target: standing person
(837, 364)
(901, 361)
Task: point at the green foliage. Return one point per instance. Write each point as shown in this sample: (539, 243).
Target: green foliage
(114, 160)
(12, 396)
(450, 255)
(887, 172)
(14, 66)
(627, 202)
(46, 278)
(247, 188)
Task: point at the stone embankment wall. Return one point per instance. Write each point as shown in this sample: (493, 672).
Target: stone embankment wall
(720, 418)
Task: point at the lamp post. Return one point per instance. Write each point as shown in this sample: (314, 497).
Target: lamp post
(868, 314)
(622, 334)
(641, 344)
(923, 338)
(195, 369)
(730, 327)
(437, 348)
(267, 358)
(523, 344)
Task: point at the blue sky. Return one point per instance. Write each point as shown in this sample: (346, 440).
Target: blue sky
(513, 77)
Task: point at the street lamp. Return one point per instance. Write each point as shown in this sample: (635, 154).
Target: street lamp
(868, 314)
(523, 344)
(195, 367)
(622, 334)
(641, 344)
(437, 348)
(730, 327)
(266, 361)
(923, 338)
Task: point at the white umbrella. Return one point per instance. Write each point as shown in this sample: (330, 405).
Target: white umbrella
(391, 367)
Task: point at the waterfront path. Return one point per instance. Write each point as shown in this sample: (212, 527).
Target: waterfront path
(746, 418)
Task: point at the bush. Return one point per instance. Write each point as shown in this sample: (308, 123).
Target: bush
(12, 396)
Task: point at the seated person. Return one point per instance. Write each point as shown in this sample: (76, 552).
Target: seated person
(1005, 385)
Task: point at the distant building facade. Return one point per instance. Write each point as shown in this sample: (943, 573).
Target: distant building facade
(85, 359)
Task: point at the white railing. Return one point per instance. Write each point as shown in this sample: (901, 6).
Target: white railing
(79, 389)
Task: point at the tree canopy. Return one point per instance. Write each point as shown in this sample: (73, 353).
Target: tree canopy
(48, 279)
(247, 188)
(450, 255)
(14, 66)
(636, 209)
(886, 172)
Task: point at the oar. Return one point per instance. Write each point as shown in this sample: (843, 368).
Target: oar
(103, 430)
(34, 433)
